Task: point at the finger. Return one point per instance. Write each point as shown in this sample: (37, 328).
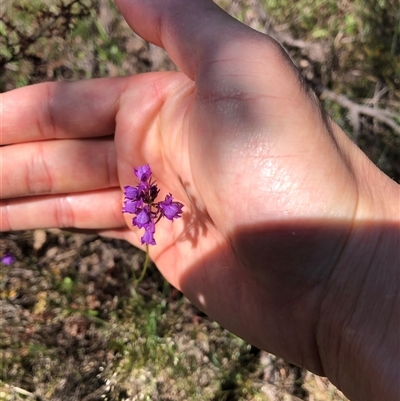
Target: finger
(60, 110)
(193, 32)
(54, 167)
(88, 210)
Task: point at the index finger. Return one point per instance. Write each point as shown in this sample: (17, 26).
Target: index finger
(56, 110)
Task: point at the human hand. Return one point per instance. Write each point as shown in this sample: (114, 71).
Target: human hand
(272, 189)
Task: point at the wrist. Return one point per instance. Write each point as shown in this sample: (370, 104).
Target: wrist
(358, 332)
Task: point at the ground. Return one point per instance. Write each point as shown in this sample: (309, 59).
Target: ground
(74, 328)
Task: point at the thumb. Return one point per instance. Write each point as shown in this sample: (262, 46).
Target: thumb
(194, 33)
(226, 58)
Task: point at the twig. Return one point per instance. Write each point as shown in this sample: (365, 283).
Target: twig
(13, 390)
(317, 53)
(384, 116)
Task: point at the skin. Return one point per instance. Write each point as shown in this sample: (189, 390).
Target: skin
(289, 236)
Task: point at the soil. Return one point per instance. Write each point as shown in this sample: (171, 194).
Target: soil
(74, 328)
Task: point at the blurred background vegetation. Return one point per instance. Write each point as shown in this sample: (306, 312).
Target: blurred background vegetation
(73, 328)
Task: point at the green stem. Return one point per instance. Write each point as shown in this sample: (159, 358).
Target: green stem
(145, 265)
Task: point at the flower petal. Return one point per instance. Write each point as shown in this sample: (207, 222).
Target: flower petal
(131, 192)
(142, 219)
(8, 259)
(171, 210)
(132, 206)
(143, 173)
(148, 238)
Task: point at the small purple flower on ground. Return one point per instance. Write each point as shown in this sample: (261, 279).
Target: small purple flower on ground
(8, 259)
(141, 201)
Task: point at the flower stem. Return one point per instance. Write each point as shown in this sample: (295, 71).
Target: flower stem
(145, 265)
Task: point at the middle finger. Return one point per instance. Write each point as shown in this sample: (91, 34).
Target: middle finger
(59, 166)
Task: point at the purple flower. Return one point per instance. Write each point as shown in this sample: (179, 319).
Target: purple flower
(143, 218)
(132, 193)
(141, 201)
(143, 173)
(8, 259)
(148, 237)
(132, 206)
(170, 209)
